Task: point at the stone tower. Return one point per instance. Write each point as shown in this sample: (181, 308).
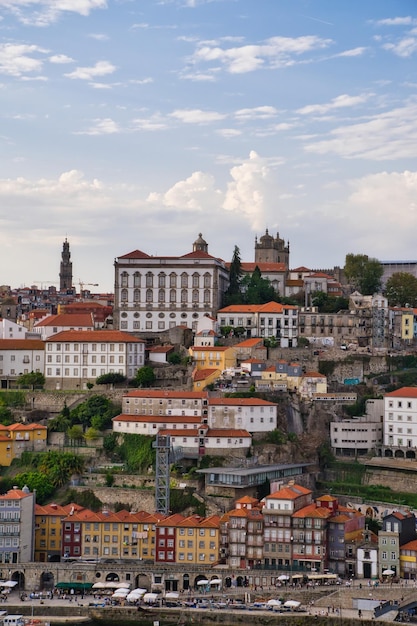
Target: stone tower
(200, 244)
(65, 273)
(270, 250)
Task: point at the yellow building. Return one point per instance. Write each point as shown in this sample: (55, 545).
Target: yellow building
(48, 520)
(118, 535)
(197, 540)
(202, 378)
(18, 438)
(213, 357)
(407, 325)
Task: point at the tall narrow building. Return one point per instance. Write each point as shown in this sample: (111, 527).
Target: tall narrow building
(65, 274)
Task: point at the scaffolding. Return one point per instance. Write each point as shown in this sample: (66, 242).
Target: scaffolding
(163, 449)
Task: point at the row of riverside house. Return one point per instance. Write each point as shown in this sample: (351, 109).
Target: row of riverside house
(286, 531)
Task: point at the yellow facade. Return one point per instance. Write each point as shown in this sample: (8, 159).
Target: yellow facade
(197, 541)
(201, 382)
(217, 357)
(18, 438)
(48, 525)
(407, 325)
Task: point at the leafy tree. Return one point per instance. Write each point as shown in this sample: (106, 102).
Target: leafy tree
(96, 411)
(258, 290)
(401, 289)
(32, 379)
(91, 434)
(145, 376)
(364, 273)
(110, 443)
(233, 293)
(329, 304)
(61, 422)
(112, 378)
(6, 416)
(75, 433)
(174, 358)
(59, 466)
(136, 452)
(36, 480)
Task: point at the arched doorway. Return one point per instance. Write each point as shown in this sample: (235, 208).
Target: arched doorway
(19, 578)
(186, 582)
(399, 454)
(388, 453)
(228, 582)
(47, 581)
(410, 454)
(142, 581)
(112, 577)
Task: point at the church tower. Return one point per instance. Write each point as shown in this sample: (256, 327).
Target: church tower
(270, 250)
(65, 274)
(200, 244)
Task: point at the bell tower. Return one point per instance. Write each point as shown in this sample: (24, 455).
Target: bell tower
(65, 274)
(272, 250)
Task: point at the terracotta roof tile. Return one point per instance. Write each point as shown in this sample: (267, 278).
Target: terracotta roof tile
(103, 336)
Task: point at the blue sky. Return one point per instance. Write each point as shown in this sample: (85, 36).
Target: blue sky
(137, 124)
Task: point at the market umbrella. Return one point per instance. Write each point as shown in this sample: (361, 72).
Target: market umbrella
(150, 597)
(283, 577)
(274, 602)
(292, 604)
(122, 585)
(215, 581)
(172, 595)
(121, 592)
(388, 572)
(111, 584)
(202, 582)
(99, 586)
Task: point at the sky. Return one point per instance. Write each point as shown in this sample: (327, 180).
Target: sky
(138, 124)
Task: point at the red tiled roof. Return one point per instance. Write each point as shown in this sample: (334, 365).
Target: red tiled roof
(136, 254)
(22, 344)
(14, 494)
(227, 432)
(67, 319)
(161, 349)
(290, 492)
(249, 343)
(312, 510)
(404, 392)
(203, 374)
(211, 348)
(91, 336)
(264, 267)
(269, 307)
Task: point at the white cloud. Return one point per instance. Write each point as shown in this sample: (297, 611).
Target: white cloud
(384, 204)
(353, 52)
(339, 102)
(404, 48)
(274, 52)
(196, 116)
(397, 21)
(141, 81)
(246, 193)
(195, 193)
(101, 68)
(261, 112)
(17, 60)
(229, 132)
(105, 126)
(60, 59)
(388, 135)
(45, 12)
(99, 36)
(155, 122)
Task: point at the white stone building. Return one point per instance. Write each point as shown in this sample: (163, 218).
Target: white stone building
(400, 423)
(20, 356)
(53, 324)
(264, 320)
(251, 414)
(150, 425)
(163, 402)
(74, 358)
(155, 293)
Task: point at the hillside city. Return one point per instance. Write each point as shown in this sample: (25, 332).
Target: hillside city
(242, 415)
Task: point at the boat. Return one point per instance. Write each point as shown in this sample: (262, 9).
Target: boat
(20, 620)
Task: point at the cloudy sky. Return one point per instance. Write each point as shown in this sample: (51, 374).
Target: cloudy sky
(137, 124)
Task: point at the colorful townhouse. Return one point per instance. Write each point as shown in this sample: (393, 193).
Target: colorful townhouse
(18, 438)
(242, 534)
(48, 530)
(17, 524)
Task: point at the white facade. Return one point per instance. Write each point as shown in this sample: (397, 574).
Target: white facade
(400, 418)
(17, 518)
(152, 424)
(153, 294)
(53, 324)
(251, 414)
(358, 435)
(264, 320)
(161, 402)
(78, 357)
(367, 561)
(21, 356)
(11, 330)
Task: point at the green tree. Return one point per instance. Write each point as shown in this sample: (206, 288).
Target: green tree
(258, 290)
(59, 466)
(91, 434)
(233, 293)
(96, 411)
(75, 433)
(174, 358)
(36, 480)
(145, 376)
(61, 422)
(401, 289)
(32, 379)
(112, 378)
(6, 416)
(364, 273)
